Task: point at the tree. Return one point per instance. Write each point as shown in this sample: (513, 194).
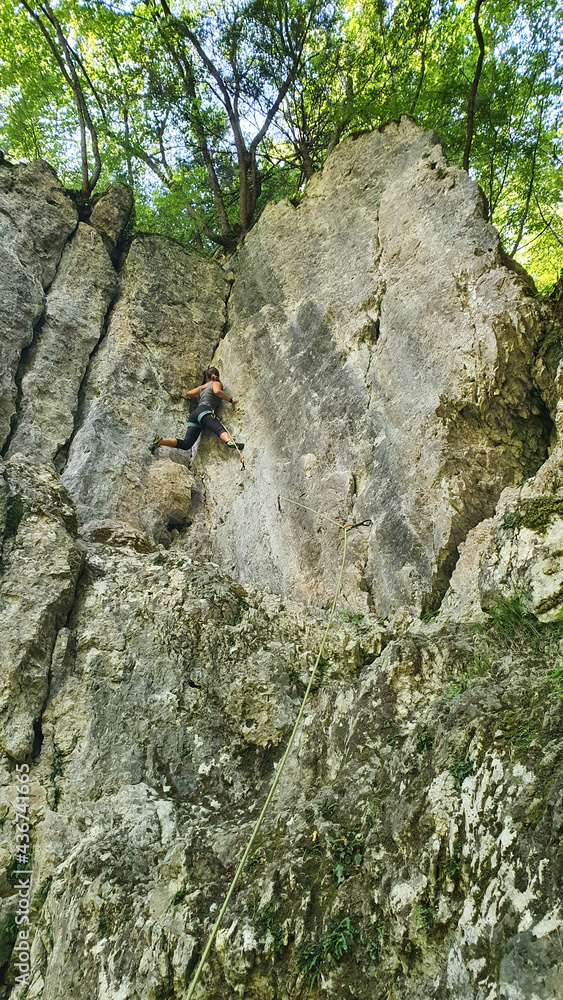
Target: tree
(474, 85)
(211, 108)
(72, 68)
(247, 55)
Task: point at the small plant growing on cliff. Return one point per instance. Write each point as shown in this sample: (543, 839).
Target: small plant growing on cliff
(268, 922)
(425, 740)
(391, 733)
(311, 955)
(339, 938)
(327, 808)
(534, 513)
(557, 675)
(480, 663)
(351, 617)
(375, 804)
(452, 865)
(424, 915)
(309, 960)
(254, 861)
(511, 618)
(460, 771)
(42, 893)
(377, 943)
(513, 626)
(348, 853)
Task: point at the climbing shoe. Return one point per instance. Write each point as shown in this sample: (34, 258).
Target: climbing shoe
(237, 444)
(153, 445)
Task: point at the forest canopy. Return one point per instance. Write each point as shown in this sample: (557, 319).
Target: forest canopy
(211, 108)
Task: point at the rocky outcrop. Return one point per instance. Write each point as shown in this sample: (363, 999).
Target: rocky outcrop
(36, 219)
(387, 376)
(71, 328)
(41, 563)
(163, 329)
(110, 214)
(518, 552)
(161, 615)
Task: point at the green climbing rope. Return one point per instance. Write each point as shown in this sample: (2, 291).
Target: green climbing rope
(345, 528)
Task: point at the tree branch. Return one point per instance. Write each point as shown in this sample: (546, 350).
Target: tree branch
(474, 85)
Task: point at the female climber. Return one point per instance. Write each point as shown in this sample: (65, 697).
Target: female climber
(211, 396)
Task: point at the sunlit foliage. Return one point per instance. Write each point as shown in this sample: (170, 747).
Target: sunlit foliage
(211, 108)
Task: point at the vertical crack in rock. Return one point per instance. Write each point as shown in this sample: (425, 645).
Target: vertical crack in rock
(39, 218)
(226, 324)
(59, 650)
(41, 563)
(61, 456)
(73, 323)
(23, 365)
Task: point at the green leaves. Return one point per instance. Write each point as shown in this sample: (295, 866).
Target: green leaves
(311, 956)
(211, 108)
(348, 855)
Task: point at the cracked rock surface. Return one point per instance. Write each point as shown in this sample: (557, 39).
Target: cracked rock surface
(161, 614)
(36, 219)
(387, 375)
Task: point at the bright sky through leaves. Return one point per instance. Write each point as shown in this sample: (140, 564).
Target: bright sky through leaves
(212, 109)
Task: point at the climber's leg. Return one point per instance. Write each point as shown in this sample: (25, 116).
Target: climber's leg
(192, 433)
(212, 424)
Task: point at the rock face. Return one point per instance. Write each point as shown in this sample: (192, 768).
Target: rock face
(386, 377)
(169, 316)
(161, 615)
(111, 214)
(36, 219)
(41, 563)
(72, 327)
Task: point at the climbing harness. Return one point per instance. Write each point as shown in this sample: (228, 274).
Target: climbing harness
(345, 528)
(199, 417)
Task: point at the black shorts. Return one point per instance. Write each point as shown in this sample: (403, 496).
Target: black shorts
(195, 428)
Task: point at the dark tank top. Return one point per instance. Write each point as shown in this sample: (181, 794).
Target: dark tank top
(208, 397)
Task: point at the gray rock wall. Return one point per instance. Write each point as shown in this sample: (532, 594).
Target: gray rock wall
(160, 615)
(36, 219)
(387, 375)
(162, 332)
(71, 328)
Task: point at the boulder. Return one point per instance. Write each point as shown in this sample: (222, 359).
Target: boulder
(111, 213)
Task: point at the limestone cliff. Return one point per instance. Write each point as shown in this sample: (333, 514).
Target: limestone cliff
(161, 615)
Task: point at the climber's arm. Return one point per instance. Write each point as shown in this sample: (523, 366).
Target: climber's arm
(191, 393)
(218, 391)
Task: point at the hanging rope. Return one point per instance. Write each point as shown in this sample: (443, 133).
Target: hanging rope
(345, 528)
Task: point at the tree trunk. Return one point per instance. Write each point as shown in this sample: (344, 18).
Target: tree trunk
(474, 85)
